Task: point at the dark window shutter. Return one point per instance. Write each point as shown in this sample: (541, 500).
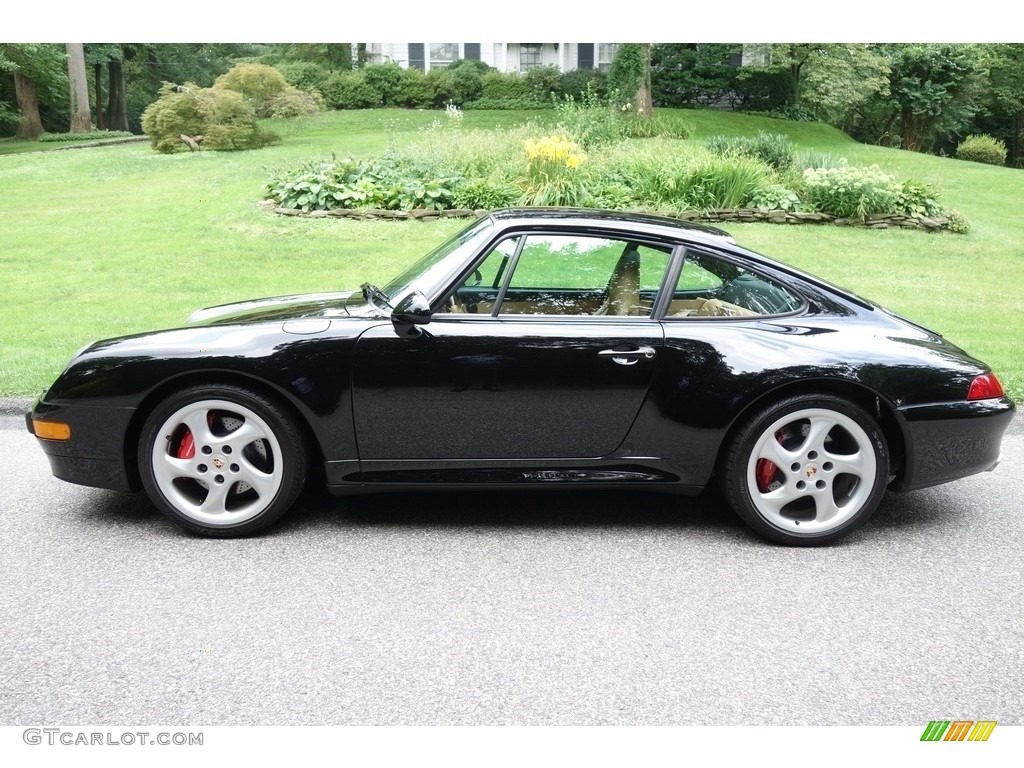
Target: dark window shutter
(417, 56)
(472, 51)
(585, 56)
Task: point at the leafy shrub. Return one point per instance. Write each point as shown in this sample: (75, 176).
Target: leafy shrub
(579, 81)
(385, 79)
(413, 91)
(460, 82)
(519, 104)
(505, 86)
(775, 197)
(304, 75)
(915, 198)
(289, 103)
(177, 111)
(686, 74)
(349, 90)
(589, 120)
(221, 117)
(90, 136)
(773, 149)
(981, 148)
(851, 191)
(486, 193)
(613, 196)
(957, 222)
(762, 90)
(543, 82)
(256, 82)
(349, 183)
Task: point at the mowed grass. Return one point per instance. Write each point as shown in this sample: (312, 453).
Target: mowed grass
(106, 241)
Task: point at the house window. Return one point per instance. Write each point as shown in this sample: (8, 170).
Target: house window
(606, 55)
(416, 56)
(529, 56)
(585, 56)
(443, 54)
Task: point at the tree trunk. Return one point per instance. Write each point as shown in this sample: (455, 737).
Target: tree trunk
(913, 132)
(81, 119)
(100, 117)
(644, 105)
(117, 109)
(30, 126)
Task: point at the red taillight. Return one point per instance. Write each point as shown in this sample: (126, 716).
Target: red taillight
(985, 386)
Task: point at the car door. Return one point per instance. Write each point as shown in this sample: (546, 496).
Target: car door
(544, 349)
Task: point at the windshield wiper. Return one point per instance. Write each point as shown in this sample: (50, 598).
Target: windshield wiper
(371, 291)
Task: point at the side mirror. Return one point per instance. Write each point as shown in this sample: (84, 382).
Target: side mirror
(411, 312)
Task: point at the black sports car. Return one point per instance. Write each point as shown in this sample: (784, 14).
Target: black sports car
(538, 347)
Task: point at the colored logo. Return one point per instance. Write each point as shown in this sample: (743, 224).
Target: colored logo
(958, 730)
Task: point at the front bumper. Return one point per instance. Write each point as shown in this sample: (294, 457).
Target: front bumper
(95, 453)
(948, 441)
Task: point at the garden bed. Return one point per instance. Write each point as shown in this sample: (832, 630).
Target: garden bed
(751, 215)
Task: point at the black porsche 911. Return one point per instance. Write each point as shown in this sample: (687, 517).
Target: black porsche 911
(536, 348)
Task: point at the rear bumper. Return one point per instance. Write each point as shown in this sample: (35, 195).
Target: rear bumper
(94, 455)
(949, 441)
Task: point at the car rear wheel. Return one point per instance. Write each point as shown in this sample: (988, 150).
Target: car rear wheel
(806, 470)
(222, 461)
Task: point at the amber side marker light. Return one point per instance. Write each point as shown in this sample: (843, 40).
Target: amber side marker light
(51, 430)
(984, 387)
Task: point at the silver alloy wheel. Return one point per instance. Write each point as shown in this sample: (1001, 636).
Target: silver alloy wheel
(235, 469)
(811, 470)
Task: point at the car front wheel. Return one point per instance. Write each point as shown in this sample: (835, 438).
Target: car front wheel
(806, 470)
(222, 461)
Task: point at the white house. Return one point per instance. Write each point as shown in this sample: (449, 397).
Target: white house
(507, 57)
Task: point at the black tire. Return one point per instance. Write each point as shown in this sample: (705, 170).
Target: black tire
(222, 460)
(807, 470)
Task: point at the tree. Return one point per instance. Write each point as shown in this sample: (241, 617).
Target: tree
(630, 76)
(1002, 111)
(831, 80)
(840, 78)
(39, 77)
(81, 119)
(31, 124)
(936, 89)
(683, 74)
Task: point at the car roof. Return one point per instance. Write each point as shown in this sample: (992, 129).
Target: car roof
(645, 222)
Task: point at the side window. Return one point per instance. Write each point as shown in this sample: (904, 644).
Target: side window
(584, 275)
(479, 291)
(709, 286)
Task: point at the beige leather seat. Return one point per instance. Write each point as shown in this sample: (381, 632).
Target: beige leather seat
(624, 287)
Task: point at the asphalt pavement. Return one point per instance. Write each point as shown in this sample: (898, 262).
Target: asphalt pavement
(487, 608)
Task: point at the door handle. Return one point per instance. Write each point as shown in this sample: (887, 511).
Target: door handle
(628, 356)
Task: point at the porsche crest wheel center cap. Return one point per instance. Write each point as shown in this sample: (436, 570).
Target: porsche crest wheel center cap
(218, 463)
(811, 470)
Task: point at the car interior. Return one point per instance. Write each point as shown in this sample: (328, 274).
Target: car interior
(553, 277)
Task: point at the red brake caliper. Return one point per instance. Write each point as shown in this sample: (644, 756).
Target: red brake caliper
(187, 446)
(766, 470)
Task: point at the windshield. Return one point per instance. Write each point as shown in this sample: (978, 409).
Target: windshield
(440, 263)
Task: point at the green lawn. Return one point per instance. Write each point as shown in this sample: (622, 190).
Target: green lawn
(111, 240)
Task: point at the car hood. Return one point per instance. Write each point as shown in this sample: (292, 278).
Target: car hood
(326, 305)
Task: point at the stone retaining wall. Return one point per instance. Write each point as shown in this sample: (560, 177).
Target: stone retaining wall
(873, 221)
